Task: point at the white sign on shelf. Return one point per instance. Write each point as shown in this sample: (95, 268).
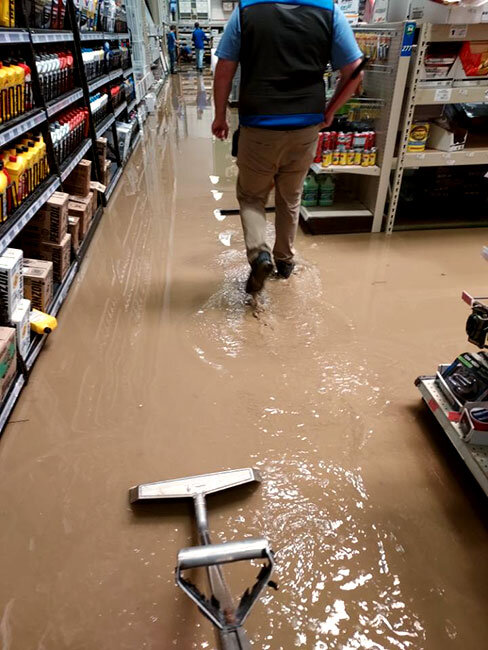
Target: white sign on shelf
(443, 95)
(459, 31)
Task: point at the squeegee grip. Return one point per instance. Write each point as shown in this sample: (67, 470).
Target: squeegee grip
(206, 556)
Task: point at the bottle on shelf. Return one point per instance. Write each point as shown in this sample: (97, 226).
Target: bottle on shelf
(4, 183)
(326, 191)
(310, 195)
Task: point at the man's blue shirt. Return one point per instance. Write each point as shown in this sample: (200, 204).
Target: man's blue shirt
(199, 38)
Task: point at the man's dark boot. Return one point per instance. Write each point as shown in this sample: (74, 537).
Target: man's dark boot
(284, 269)
(261, 269)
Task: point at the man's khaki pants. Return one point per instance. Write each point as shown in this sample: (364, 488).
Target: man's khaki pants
(267, 158)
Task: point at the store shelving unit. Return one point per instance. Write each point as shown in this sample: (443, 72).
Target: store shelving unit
(368, 186)
(38, 119)
(421, 95)
(474, 456)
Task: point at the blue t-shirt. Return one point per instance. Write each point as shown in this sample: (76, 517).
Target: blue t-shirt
(199, 38)
(345, 49)
(171, 41)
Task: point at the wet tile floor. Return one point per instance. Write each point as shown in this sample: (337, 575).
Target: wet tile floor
(161, 369)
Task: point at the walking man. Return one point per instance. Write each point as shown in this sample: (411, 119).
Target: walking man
(172, 48)
(199, 39)
(283, 50)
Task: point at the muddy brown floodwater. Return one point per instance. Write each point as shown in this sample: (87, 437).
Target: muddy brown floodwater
(160, 369)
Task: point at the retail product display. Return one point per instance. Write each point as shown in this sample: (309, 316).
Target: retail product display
(219, 608)
(38, 282)
(15, 89)
(23, 166)
(21, 322)
(346, 149)
(48, 135)
(56, 73)
(8, 359)
(68, 131)
(11, 283)
(99, 107)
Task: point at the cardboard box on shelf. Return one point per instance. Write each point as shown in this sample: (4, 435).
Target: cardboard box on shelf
(96, 188)
(8, 359)
(74, 231)
(78, 182)
(442, 138)
(11, 283)
(21, 322)
(106, 173)
(38, 282)
(102, 151)
(59, 255)
(87, 200)
(51, 222)
(442, 14)
(81, 209)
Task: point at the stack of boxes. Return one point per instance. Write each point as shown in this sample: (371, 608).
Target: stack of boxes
(82, 201)
(104, 163)
(46, 236)
(14, 310)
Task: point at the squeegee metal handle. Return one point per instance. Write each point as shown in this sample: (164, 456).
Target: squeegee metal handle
(206, 556)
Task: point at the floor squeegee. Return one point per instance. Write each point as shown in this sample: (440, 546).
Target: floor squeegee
(219, 608)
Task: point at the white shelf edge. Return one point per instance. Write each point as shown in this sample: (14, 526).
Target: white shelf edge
(428, 96)
(8, 406)
(22, 127)
(434, 158)
(346, 169)
(74, 96)
(469, 453)
(20, 223)
(339, 210)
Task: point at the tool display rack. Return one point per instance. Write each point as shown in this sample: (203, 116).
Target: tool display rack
(386, 83)
(398, 84)
(27, 41)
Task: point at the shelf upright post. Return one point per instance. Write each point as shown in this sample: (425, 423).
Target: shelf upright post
(84, 85)
(407, 125)
(406, 32)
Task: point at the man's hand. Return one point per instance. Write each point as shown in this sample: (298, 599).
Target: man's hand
(328, 119)
(220, 128)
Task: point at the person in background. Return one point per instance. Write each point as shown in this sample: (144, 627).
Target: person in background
(283, 51)
(186, 53)
(172, 42)
(199, 38)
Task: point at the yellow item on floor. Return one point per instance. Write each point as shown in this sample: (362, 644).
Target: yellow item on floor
(42, 323)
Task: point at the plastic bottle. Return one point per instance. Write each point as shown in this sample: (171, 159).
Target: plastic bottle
(3, 93)
(5, 13)
(27, 96)
(15, 170)
(9, 97)
(19, 86)
(23, 159)
(326, 191)
(3, 193)
(42, 323)
(310, 193)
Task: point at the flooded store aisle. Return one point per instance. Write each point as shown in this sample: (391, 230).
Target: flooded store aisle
(161, 369)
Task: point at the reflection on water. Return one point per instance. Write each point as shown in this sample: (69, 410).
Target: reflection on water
(333, 555)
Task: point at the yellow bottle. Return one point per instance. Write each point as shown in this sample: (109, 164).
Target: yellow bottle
(5, 13)
(10, 104)
(19, 87)
(15, 170)
(34, 157)
(37, 148)
(22, 158)
(29, 169)
(3, 92)
(3, 193)
(42, 323)
(41, 148)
